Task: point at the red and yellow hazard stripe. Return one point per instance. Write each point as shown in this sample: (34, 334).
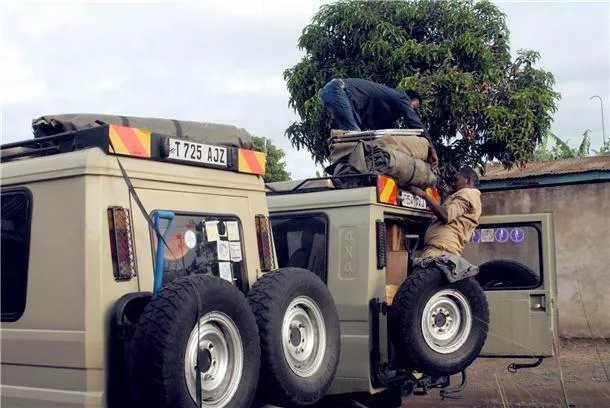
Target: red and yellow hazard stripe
(130, 141)
(250, 161)
(433, 192)
(387, 190)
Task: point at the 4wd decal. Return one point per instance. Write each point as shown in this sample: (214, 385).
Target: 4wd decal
(347, 266)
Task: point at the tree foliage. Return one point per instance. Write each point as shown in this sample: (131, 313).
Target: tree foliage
(560, 148)
(479, 104)
(604, 149)
(274, 166)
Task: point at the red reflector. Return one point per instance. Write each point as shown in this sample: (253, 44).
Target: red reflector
(250, 161)
(387, 190)
(265, 243)
(121, 243)
(433, 192)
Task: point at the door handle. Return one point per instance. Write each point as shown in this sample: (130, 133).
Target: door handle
(538, 303)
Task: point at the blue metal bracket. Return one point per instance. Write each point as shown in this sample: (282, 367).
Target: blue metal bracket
(158, 273)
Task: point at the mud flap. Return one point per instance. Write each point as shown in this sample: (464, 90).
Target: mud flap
(124, 314)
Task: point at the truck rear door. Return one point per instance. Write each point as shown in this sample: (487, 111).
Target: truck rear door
(517, 271)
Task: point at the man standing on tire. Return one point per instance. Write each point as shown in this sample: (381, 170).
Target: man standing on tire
(456, 219)
(360, 104)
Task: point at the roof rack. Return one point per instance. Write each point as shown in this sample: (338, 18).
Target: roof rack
(139, 143)
(386, 188)
(323, 183)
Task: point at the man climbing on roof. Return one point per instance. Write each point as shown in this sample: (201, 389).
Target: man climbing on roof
(360, 104)
(456, 218)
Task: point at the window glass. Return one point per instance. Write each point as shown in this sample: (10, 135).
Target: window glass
(16, 219)
(509, 257)
(205, 244)
(301, 242)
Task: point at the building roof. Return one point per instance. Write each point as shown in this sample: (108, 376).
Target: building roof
(549, 168)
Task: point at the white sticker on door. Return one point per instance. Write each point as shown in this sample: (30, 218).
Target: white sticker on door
(224, 252)
(224, 271)
(235, 251)
(233, 230)
(190, 239)
(211, 228)
(487, 235)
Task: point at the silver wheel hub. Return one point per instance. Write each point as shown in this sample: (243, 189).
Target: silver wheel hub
(447, 321)
(215, 350)
(303, 336)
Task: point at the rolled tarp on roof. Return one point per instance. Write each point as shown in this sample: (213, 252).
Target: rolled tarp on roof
(367, 157)
(213, 133)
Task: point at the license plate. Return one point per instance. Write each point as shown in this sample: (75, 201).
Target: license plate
(407, 199)
(197, 152)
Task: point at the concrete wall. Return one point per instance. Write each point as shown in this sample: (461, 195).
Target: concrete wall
(582, 234)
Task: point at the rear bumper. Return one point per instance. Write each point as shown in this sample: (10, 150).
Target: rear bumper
(27, 397)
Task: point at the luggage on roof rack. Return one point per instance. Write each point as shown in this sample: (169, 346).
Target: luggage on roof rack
(398, 153)
(218, 134)
(408, 141)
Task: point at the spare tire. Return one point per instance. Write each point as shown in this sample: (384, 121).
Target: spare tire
(300, 338)
(438, 328)
(168, 346)
(504, 273)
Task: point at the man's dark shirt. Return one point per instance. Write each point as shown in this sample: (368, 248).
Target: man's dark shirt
(378, 106)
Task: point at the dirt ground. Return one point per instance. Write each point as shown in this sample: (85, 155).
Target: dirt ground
(491, 385)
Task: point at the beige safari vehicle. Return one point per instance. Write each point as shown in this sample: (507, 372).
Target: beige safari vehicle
(143, 268)
(97, 313)
(401, 318)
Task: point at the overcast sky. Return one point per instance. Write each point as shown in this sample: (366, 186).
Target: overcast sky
(222, 61)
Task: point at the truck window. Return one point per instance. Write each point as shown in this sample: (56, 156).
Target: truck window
(300, 241)
(203, 243)
(16, 221)
(508, 256)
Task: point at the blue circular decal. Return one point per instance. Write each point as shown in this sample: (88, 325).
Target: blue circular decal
(502, 235)
(517, 235)
(476, 237)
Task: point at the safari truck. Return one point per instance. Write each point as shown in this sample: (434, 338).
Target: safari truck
(127, 255)
(140, 267)
(407, 326)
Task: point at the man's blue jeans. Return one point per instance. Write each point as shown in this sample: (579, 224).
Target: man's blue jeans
(335, 99)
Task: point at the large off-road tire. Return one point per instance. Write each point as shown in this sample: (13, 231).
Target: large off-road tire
(438, 328)
(163, 354)
(503, 273)
(300, 338)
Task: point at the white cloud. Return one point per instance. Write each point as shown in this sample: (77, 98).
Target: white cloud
(104, 85)
(19, 80)
(243, 81)
(264, 9)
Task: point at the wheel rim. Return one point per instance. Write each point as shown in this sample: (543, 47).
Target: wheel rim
(447, 321)
(221, 358)
(303, 336)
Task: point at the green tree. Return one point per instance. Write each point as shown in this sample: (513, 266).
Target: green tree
(561, 149)
(274, 166)
(479, 104)
(604, 149)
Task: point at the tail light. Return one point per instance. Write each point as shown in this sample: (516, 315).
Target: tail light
(121, 243)
(382, 260)
(265, 243)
